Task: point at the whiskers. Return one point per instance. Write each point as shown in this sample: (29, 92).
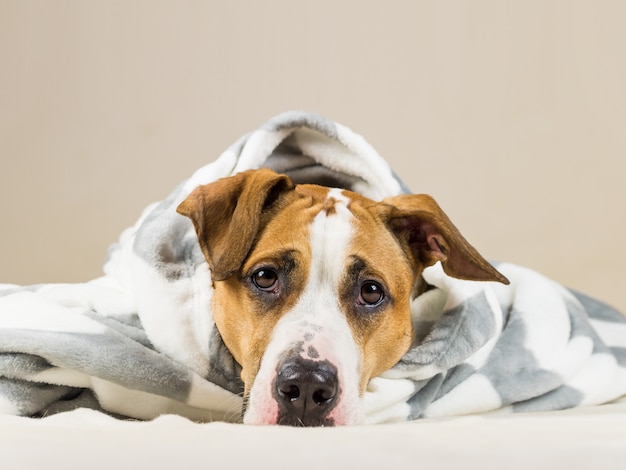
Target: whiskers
(232, 407)
(299, 422)
(245, 403)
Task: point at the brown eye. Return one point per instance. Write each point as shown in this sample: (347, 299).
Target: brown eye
(371, 293)
(265, 279)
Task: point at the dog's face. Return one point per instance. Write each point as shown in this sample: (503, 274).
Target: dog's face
(312, 287)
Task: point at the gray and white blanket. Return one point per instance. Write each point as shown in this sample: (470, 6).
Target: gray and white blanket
(140, 341)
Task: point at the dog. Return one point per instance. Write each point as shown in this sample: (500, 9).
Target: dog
(312, 287)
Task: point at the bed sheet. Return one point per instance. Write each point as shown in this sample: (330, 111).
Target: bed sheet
(593, 437)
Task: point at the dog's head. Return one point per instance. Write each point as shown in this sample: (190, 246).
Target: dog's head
(312, 287)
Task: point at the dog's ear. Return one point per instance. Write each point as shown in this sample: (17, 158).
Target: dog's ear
(430, 236)
(227, 216)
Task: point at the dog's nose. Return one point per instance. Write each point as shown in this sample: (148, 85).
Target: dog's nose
(306, 391)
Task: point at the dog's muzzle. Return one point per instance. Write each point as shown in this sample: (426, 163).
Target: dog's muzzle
(306, 392)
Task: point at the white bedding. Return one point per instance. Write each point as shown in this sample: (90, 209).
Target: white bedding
(592, 437)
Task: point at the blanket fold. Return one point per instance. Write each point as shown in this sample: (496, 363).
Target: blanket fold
(140, 341)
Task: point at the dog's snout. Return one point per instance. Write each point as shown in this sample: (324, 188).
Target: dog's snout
(306, 391)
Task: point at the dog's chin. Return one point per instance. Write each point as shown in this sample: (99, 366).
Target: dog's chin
(289, 420)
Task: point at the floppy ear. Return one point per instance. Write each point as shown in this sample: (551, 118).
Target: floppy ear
(418, 221)
(227, 216)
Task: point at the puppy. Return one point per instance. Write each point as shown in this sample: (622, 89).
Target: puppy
(312, 287)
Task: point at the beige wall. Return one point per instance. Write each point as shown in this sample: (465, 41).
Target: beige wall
(512, 114)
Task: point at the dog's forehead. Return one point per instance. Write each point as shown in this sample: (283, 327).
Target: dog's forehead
(322, 230)
(329, 197)
(333, 220)
(335, 197)
(326, 202)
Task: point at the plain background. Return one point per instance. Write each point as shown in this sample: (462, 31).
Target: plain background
(512, 114)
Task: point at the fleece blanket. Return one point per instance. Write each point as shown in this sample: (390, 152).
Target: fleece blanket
(140, 342)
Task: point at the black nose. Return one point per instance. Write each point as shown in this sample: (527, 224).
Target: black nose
(306, 391)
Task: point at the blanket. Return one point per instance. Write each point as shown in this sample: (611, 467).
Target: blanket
(140, 341)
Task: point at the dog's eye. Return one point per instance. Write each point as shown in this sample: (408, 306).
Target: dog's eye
(371, 293)
(265, 278)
